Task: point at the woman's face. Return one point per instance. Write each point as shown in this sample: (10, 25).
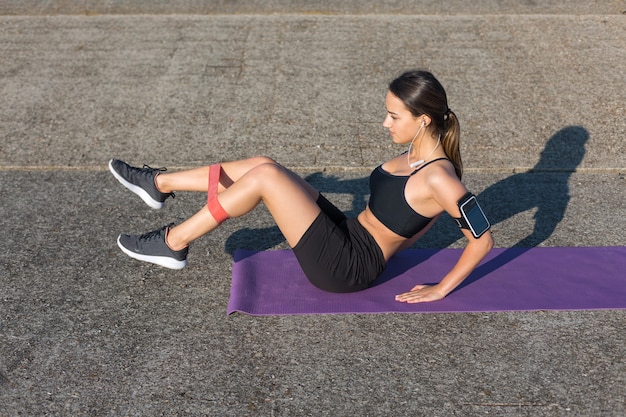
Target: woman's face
(400, 121)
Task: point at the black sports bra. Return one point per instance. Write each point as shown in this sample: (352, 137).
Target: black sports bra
(388, 203)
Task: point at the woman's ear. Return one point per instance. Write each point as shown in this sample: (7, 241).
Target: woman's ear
(426, 119)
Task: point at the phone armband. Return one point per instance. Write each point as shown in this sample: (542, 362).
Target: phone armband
(472, 216)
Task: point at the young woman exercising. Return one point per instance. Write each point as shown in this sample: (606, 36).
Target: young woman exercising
(338, 254)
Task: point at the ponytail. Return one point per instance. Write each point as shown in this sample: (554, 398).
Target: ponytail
(450, 141)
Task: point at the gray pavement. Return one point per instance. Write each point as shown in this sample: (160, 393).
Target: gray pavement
(318, 7)
(84, 330)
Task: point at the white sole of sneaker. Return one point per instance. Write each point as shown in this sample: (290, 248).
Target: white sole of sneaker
(163, 261)
(137, 190)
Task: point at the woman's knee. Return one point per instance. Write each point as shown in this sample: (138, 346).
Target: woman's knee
(262, 160)
(270, 178)
(267, 170)
(233, 171)
(273, 173)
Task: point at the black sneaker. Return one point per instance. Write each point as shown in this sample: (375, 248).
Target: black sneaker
(140, 181)
(151, 247)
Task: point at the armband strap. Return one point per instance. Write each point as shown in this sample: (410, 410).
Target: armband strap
(213, 204)
(461, 222)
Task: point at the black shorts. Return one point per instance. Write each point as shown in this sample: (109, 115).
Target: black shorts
(337, 254)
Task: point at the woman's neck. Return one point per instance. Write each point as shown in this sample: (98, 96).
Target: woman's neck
(425, 151)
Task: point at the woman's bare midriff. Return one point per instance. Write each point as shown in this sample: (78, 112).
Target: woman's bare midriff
(388, 241)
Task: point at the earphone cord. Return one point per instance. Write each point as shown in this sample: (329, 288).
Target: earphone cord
(408, 154)
(421, 161)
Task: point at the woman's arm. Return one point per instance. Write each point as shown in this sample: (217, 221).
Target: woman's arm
(446, 191)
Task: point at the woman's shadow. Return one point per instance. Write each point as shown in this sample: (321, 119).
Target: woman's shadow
(544, 188)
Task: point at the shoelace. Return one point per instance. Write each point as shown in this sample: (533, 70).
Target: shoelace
(149, 236)
(149, 169)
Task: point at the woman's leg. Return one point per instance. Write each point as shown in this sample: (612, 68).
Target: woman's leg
(290, 200)
(198, 179)
(241, 186)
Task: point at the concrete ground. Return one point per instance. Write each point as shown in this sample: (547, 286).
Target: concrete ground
(86, 331)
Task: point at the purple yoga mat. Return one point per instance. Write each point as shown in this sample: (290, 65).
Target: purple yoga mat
(517, 279)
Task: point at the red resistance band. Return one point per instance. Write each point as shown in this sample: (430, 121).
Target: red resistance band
(215, 208)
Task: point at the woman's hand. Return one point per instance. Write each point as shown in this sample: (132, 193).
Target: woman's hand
(421, 294)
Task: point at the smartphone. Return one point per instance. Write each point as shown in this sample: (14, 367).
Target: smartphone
(474, 216)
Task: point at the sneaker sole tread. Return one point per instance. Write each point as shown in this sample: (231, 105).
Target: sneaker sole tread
(163, 261)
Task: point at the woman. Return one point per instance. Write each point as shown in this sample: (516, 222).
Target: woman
(408, 193)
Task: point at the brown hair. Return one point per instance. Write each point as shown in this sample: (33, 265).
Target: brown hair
(422, 93)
